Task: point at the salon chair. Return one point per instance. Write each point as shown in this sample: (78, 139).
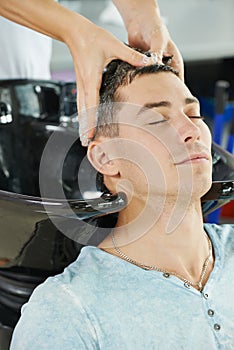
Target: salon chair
(33, 245)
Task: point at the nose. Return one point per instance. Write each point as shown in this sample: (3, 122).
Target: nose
(188, 131)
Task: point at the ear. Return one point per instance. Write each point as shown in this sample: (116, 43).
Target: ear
(100, 159)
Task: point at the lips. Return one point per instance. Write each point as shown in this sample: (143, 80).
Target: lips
(194, 157)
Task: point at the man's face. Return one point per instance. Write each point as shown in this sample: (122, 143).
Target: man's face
(165, 146)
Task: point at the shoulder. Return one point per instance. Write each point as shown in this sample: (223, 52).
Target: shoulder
(56, 315)
(85, 271)
(74, 282)
(80, 284)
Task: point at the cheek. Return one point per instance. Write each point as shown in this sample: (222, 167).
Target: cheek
(146, 156)
(206, 135)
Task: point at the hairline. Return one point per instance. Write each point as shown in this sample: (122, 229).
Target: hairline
(119, 80)
(123, 98)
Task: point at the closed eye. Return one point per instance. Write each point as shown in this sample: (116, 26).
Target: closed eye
(157, 122)
(200, 117)
(196, 117)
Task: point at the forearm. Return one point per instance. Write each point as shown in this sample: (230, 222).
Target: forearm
(131, 9)
(45, 16)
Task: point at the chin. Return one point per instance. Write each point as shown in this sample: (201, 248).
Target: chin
(195, 188)
(199, 183)
(202, 186)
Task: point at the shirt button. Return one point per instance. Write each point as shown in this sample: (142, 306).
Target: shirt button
(187, 285)
(211, 312)
(217, 327)
(206, 296)
(166, 275)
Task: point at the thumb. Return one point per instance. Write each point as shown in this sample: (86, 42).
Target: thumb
(132, 56)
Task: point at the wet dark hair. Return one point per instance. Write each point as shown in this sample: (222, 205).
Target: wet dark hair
(116, 75)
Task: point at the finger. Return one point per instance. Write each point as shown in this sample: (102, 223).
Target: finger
(178, 65)
(177, 60)
(131, 56)
(81, 110)
(138, 41)
(158, 43)
(92, 89)
(158, 49)
(157, 56)
(91, 79)
(83, 129)
(80, 95)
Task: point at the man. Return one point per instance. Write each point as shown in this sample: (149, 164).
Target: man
(161, 279)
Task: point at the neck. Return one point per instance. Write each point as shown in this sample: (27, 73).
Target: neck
(182, 247)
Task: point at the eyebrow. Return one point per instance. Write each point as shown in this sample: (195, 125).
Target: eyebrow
(150, 105)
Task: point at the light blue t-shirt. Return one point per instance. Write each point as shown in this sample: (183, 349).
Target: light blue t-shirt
(103, 302)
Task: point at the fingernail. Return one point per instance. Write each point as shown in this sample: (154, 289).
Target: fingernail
(83, 131)
(84, 140)
(146, 59)
(154, 57)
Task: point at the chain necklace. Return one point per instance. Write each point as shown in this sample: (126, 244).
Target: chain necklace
(166, 272)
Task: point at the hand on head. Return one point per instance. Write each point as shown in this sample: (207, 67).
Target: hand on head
(96, 47)
(91, 53)
(147, 31)
(156, 39)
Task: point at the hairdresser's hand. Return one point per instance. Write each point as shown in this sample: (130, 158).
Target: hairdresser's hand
(146, 30)
(92, 48)
(157, 40)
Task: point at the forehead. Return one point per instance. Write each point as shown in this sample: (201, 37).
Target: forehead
(155, 87)
(157, 95)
